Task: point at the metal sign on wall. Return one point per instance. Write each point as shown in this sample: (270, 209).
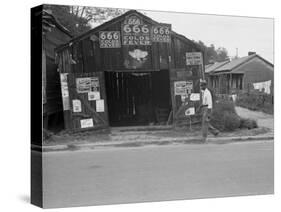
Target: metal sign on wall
(109, 39)
(135, 32)
(194, 58)
(161, 33)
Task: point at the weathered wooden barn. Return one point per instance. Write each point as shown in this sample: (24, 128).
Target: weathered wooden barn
(242, 74)
(130, 70)
(54, 34)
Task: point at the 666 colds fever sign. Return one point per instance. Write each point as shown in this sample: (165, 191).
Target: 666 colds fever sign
(109, 39)
(135, 32)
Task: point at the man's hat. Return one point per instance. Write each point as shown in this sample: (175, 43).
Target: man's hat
(203, 82)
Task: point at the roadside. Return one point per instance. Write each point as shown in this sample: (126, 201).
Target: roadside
(263, 119)
(159, 135)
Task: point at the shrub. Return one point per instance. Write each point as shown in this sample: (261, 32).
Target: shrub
(224, 116)
(248, 123)
(256, 101)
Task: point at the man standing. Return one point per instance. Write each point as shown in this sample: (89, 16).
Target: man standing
(206, 108)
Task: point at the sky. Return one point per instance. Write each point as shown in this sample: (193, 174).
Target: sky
(244, 33)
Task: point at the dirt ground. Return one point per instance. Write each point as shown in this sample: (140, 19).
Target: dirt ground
(125, 134)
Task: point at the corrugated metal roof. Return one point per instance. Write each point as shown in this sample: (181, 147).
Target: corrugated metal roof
(212, 67)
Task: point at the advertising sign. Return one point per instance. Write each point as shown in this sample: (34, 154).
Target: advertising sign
(93, 95)
(194, 58)
(161, 33)
(85, 123)
(109, 39)
(64, 91)
(180, 88)
(190, 111)
(87, 84)
(189, 86)
(76, 105)
(100, 105)
(135, 32)
(95, 84)
(195, 97)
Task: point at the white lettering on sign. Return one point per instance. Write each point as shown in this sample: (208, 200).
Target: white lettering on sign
(194, 58)
(135, 32)
(161, 33)
(109, 39)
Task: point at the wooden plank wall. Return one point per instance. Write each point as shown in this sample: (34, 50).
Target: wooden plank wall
(52, 40)
(100, 119)
(85, 56)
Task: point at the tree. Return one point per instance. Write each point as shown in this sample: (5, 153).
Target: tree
(79, 19)
(211, 54)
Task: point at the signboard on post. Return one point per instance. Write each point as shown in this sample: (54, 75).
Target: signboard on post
(135, 32)
(194, 58)
(109, 39)
(161, 33)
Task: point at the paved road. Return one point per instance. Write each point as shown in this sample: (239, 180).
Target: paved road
(157, 173)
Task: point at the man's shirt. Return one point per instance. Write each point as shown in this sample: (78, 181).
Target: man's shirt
(207, 98)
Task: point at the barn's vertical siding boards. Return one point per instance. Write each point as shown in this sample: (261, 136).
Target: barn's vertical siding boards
(85, 56)
(53, 35)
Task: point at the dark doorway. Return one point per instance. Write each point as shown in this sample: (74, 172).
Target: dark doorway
(136, 98)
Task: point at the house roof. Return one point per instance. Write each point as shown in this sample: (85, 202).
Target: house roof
(114, 20)
(232, 65)
(212, 67)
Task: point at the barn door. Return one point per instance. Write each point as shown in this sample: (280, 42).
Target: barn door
(87, 101)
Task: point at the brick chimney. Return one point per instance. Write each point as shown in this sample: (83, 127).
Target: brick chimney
(251, 53)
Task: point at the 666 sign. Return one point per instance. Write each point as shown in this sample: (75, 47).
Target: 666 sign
(136, 29)
(161, 33)
(109, 39)
(137, 34)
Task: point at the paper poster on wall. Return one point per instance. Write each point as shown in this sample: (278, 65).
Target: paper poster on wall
(93, 95)
(190, 111)
(189, 86)
(87, 84)
(100, 105)
(194, 58)
(180, 88)
(195, 97)
(64, 91)
(85, 123)
(95, 84)
(76, 105)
